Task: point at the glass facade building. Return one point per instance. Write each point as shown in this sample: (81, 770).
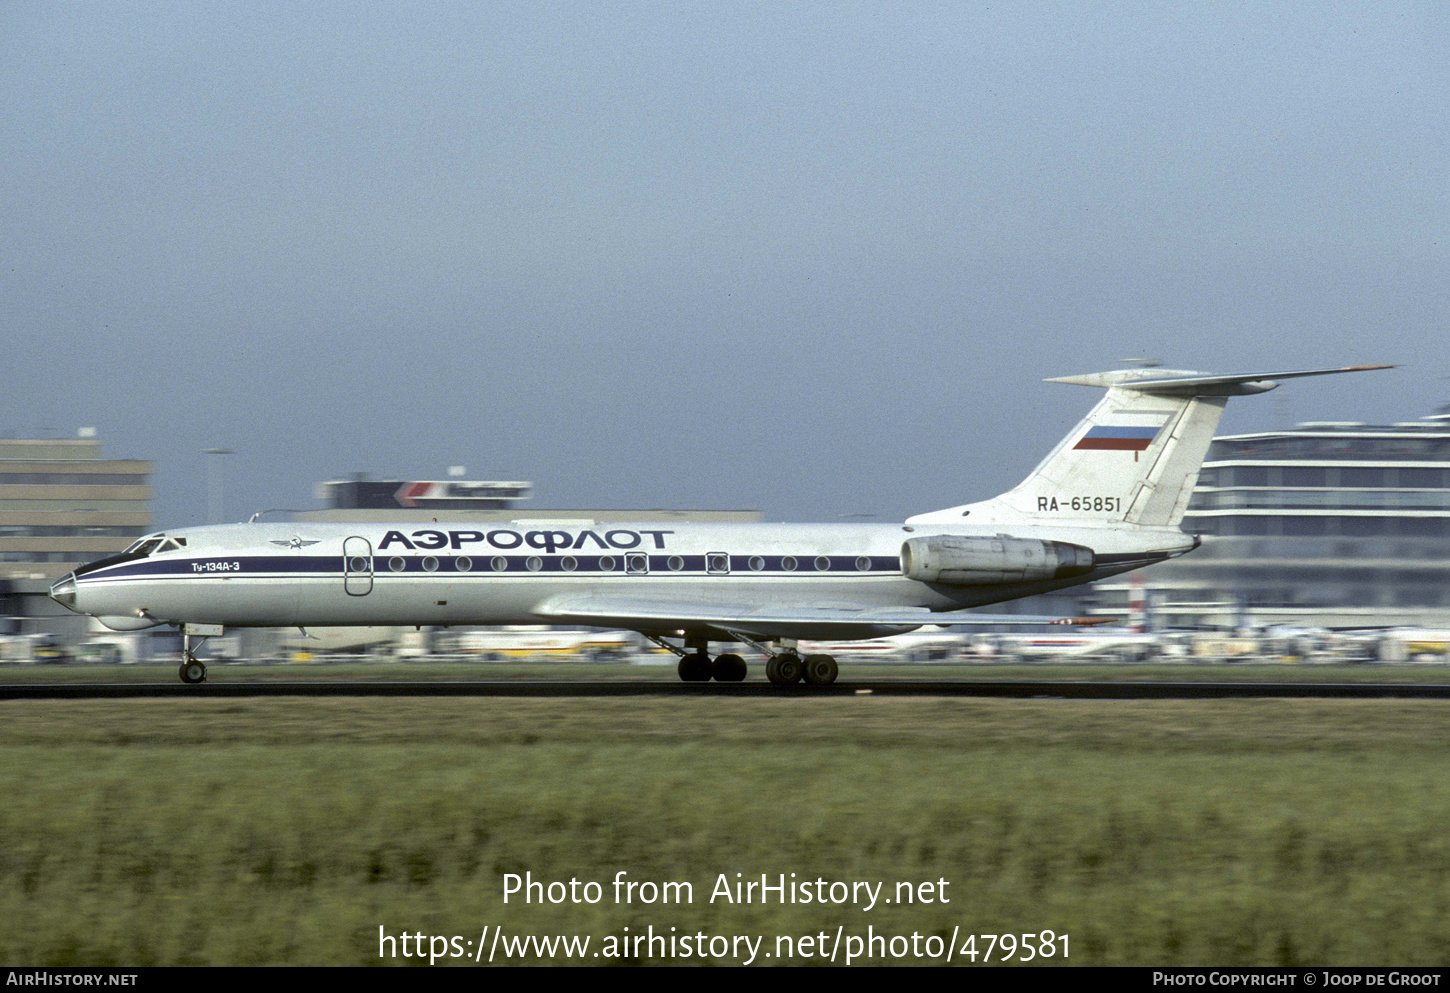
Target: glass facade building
(1324, 517)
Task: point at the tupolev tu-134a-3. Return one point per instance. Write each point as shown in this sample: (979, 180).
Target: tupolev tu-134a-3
(1107, 499)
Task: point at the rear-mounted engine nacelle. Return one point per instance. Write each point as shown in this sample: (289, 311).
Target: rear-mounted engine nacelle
(975, 561)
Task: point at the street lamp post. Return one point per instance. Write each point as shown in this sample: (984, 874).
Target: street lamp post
(214, 484)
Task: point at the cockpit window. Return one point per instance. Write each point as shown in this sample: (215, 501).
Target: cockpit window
(169, 545)
(139, 549)
(147, 540)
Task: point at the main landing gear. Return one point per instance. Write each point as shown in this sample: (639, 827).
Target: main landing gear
(697, 668)
(789, 668)
(784, 668)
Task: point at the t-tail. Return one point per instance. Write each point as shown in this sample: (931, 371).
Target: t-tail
(1134, 459)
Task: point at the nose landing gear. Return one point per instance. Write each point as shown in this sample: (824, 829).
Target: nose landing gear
(192, 670)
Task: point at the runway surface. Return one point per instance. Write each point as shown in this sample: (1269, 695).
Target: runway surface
(1075, 690)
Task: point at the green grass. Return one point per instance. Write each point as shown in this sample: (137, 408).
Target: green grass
(1157, 832)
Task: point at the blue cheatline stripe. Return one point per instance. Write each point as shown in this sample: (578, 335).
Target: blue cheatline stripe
(272, 567)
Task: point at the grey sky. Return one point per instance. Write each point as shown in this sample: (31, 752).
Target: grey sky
(808, 258)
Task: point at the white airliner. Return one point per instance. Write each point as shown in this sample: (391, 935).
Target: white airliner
(1107, 499)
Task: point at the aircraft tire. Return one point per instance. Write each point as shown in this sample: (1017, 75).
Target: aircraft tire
(728, 668)
(784, 670)
(820, 670)
(695, 668)
(193, 672)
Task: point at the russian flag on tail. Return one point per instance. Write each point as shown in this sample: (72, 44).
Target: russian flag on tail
(1105, 437)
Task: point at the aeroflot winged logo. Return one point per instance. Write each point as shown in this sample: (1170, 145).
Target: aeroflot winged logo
(294, 542)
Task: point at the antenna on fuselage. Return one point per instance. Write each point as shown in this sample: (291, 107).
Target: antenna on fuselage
(272, 510)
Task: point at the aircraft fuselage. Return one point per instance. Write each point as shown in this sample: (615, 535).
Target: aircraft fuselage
(271, 575)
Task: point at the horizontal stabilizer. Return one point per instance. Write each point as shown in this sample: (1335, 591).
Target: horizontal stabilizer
(1190, 384)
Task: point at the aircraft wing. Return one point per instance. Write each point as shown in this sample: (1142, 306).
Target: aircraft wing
(762, 620)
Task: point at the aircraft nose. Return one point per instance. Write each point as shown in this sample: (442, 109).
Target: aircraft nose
(63, 591)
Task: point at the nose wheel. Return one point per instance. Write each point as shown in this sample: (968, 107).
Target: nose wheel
(192, 670)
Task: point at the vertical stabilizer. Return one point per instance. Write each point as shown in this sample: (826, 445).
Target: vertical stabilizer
(1134, 459)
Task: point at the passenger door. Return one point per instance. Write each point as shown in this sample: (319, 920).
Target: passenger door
(357, 566)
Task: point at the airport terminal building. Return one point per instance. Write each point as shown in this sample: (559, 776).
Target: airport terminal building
(62, 504)
(1323, 524)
